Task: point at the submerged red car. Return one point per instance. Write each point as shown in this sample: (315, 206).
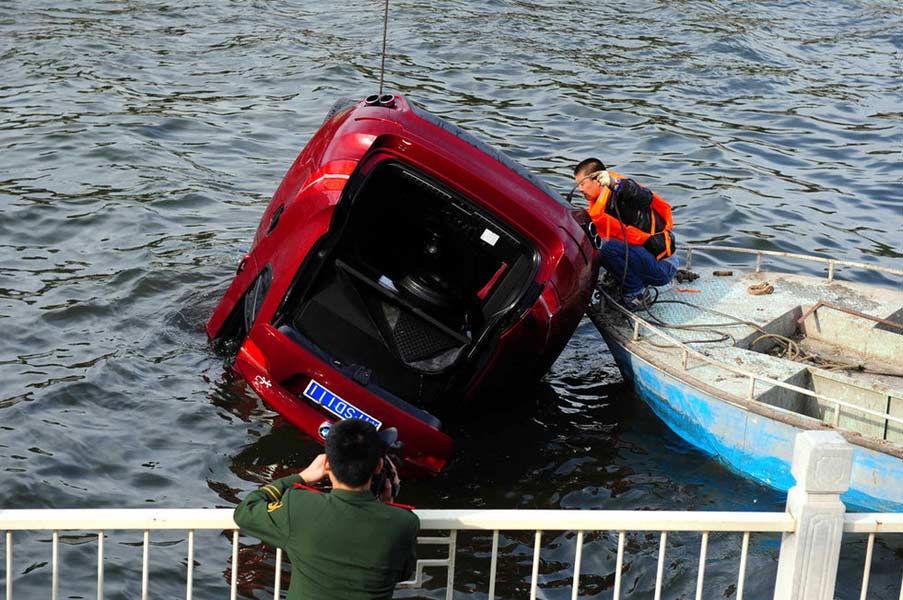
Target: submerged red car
(402, 268)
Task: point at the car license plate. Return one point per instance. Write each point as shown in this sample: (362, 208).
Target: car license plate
(334, 404)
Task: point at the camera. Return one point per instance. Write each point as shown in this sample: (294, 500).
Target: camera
(391, 447)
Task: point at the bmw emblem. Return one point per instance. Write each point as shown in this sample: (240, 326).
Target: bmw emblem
(323, 430)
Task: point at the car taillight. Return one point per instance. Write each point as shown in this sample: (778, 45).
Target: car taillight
(254, 355)
(430, 463)
(331, 177)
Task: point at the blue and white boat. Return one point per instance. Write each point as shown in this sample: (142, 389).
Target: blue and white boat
(740, 360)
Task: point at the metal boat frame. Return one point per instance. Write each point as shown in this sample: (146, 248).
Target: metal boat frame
(640, 324)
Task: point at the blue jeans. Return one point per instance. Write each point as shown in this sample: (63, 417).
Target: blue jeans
(642, 267)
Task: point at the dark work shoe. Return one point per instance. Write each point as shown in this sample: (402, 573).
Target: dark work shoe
(636, 302)
(608, 282)
(632, 303)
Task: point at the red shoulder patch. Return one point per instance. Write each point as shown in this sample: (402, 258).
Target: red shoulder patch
(301, 486)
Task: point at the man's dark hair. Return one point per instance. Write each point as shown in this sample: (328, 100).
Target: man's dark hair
(353, 448)
(589, 165)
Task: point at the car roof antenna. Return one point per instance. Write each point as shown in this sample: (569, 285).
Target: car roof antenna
(382, 68)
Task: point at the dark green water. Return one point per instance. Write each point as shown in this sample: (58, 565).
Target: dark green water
(140, 142)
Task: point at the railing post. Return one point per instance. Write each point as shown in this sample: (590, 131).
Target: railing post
(807, 567)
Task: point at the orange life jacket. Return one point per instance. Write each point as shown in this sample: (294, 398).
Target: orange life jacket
(609, 226)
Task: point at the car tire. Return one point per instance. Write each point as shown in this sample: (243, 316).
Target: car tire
(338, 106)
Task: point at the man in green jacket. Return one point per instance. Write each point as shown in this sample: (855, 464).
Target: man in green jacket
(345, 544)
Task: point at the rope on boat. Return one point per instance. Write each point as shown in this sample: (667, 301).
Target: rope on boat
(791, 350)
(760, 289)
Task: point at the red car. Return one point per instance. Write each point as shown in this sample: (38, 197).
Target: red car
(402, 267)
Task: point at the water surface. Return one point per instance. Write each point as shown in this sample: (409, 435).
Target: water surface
(141, 141)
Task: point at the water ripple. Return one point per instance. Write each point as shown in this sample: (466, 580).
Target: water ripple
(141, 142)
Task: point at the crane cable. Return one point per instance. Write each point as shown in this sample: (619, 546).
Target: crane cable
(382, 67)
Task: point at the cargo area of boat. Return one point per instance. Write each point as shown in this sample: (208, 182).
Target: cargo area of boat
(740, 360)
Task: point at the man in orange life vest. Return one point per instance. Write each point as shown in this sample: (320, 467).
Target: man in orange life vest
(621, 208)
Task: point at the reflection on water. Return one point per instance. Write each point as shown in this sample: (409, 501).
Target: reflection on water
(140, 143)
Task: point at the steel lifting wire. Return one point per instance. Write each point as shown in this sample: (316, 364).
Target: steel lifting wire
(382, 66)
(701, 327)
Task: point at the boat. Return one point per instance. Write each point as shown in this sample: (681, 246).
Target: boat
(402, 270)
(742, 359)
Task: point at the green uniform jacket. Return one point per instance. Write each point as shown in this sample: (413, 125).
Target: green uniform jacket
(343, 545)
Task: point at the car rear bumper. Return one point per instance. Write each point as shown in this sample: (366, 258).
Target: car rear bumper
(280, 371)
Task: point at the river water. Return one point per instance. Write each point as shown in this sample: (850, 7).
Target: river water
(140, 142)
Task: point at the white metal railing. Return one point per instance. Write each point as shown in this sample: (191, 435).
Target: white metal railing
(872, 524)
(640, 324)
(622, 522)
(808, 551)
(104, 521)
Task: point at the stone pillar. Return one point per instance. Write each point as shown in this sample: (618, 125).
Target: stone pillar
(807, 568)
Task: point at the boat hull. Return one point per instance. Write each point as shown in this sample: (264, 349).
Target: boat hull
(750, 444)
